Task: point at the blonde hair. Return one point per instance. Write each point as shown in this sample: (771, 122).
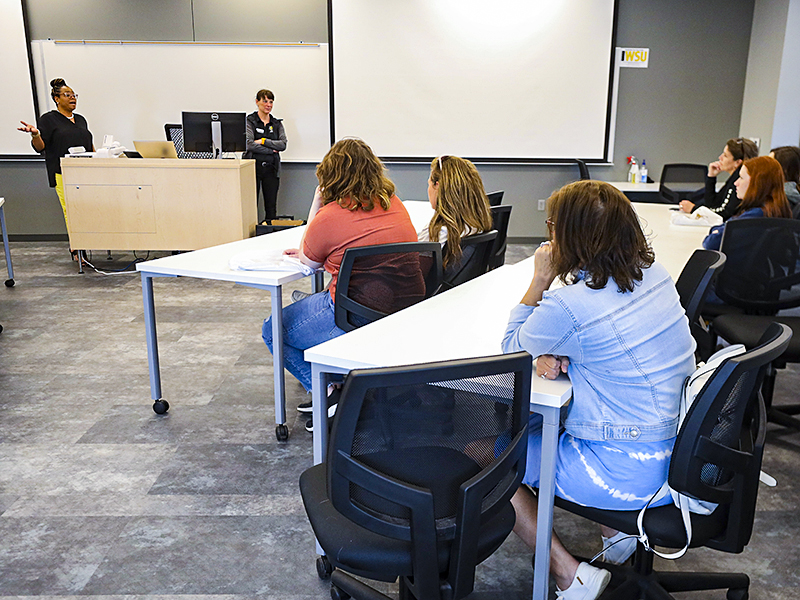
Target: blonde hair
(352, 176)
(461, 204)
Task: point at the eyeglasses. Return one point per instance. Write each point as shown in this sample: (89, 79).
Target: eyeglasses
(69, 96)
(551, 226)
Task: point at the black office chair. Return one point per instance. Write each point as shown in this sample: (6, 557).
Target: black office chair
(500, 219)
(762, 277)
(476, 254)
(694, 283)
(375, 281)
(583, 169)
(717, 458)
(397, 497)
(495, 198)
(175, 135)
(682, 181)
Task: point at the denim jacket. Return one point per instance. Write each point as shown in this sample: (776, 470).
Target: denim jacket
(629, 354)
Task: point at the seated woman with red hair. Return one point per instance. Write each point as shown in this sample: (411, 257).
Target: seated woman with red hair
(761, 192)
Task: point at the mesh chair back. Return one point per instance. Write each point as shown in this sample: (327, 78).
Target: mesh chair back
(175, 135)
(375, 281)
(500, 218)
(413, 479)
(476, 253)
(717, 454)
(762, 274)
(583, 170)
(682, 181)
(495, 198)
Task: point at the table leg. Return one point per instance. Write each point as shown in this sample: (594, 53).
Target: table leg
(10, 281)
(547, 484)
(160, 406)
(281, 431)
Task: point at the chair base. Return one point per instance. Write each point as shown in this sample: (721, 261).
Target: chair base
(641, 582)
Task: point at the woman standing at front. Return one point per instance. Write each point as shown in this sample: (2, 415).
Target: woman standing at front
(618, 328)
(266, 138)
(58, 131)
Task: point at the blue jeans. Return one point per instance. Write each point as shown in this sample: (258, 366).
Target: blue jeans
(305, 324)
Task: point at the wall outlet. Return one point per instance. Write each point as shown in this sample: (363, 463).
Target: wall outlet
(542, 204)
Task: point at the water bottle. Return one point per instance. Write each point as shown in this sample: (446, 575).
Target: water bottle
(643, 172)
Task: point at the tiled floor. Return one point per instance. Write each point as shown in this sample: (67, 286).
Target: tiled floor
(100, 496)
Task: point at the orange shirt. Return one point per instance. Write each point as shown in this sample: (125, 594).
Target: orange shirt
(335, 229)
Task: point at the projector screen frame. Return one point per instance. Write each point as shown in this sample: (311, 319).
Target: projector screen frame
(605, 159)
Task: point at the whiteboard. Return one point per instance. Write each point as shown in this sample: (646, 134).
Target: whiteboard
(131, 89)
(506, 79)
(16, 81)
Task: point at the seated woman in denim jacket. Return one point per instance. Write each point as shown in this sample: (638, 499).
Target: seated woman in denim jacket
(456, 194)
(618, 329)
(761, 193)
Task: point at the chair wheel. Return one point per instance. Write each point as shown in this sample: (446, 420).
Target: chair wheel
(737, 594)
(1, 329)
(282, 433)
(324, 567)
(338, 594)
(10, 283)
(160, 407)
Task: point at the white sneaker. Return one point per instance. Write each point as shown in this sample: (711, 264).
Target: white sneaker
(588, 584)
(618, 549)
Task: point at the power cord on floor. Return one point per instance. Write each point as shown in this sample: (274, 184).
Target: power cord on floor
(123, 271)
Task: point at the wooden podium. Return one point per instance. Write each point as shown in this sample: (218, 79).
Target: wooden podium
(158, 204)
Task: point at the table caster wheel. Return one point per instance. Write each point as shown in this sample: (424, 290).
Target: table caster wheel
(338, 593)
(160, 407)
(324, 567)
(737, 595)
(1, 329)
(10, 283)
(282, 433)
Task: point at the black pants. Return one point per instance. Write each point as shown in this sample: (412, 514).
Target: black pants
(267, 184)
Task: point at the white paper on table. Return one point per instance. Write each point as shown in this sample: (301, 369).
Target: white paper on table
(702, 217)
(268, 260)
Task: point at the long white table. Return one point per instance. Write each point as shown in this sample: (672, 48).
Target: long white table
(212, 263)
(469, 321)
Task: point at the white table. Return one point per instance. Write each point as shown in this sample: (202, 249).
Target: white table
(10, 280)
(469, 321)
(212, 263)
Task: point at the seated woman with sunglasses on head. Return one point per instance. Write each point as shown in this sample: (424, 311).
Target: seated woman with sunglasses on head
(455, 191)
(724, 202)
(618, 329)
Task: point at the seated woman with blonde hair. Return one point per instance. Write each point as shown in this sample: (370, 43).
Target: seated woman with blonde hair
(461, 208)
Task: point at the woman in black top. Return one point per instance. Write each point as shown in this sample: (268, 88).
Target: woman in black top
(265, 139)
(58, 131)
(724, 202)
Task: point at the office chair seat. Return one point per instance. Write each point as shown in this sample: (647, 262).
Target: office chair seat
(750, 330)
(376, 555)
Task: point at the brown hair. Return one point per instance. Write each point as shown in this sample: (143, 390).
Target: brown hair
(596, 231)
(742, 148)
(461, 204)
(55, 87)
(765, 189)
(261, 94)
(351, 175)
(789, 158)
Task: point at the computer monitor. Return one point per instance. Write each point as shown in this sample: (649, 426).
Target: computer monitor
(216, 132)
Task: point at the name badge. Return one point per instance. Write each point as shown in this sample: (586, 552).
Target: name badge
(259, 130)
(270, 128)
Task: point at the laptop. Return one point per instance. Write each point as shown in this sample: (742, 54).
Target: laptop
(156, 149)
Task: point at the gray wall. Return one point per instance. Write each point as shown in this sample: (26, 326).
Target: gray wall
(681, 109)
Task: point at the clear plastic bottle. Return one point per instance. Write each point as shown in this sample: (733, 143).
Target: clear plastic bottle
(643, 172)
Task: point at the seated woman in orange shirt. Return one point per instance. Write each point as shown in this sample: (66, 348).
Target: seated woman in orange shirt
(354, 205)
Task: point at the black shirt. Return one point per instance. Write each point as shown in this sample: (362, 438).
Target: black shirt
(59, 134)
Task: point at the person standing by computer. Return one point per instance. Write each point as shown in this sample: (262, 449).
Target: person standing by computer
(57, 132)
(266, 138)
